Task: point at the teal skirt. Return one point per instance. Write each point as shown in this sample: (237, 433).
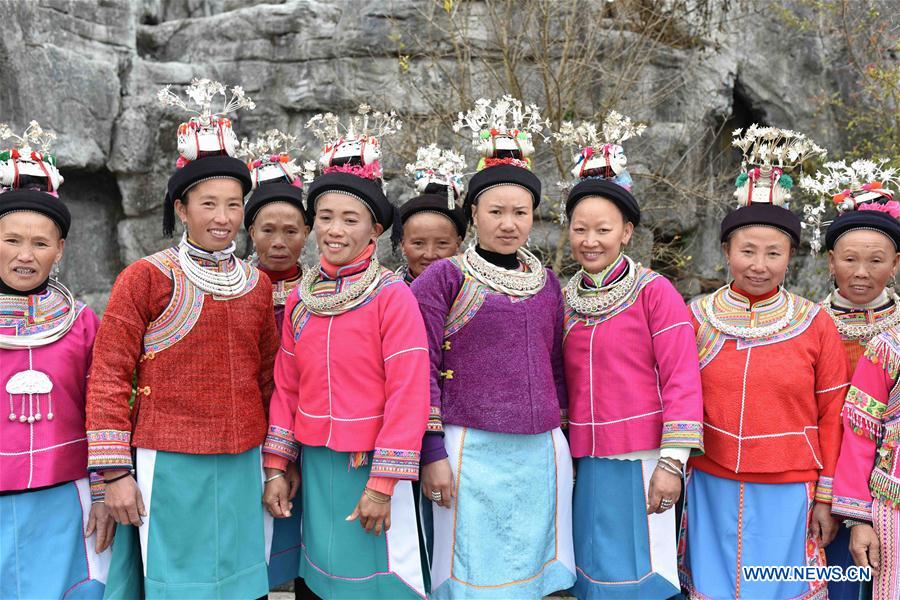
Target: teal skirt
(341, 560)
(203, 536)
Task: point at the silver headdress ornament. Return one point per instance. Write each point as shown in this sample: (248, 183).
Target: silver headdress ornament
(599, 151)
(861, 185)
(768, 152)
(30, 156)
(435, 166)
(207, 132)
(353, 147)
(502, 133)
(272, 157)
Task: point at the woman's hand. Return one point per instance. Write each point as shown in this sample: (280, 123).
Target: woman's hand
(438, 478)
(277, 494)
(823, 527)
(292, 474)
(663, 486)
(373, 516)
(864, 546)
(124, 500)
(101, 521)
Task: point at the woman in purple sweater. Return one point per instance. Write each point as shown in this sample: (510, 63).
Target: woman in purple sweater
(494, 451)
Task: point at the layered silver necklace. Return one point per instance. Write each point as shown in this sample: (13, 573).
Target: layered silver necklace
(347, 299)
(218, 283)
(44, 338)
(862, 332)
(749, 333)
(603, 300)
(512, 282)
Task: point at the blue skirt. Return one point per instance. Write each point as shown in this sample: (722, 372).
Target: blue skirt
(731, 524)
(283, 546)
(620, 550)
(509, 531)
(43, 551)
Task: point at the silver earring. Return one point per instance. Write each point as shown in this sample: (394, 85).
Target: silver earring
(54, 272)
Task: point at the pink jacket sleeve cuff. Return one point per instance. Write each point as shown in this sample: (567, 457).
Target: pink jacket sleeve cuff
(273, 461)
(385, 485)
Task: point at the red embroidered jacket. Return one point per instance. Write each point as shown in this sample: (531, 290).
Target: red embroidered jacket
(204, 366)
(771, 406)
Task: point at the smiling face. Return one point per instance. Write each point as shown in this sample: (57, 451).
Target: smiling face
(428, 237)
(758, 258)
(279, 234)
(597, 233)
(212, 212)
(862, 263)
(344, 227)
(503, 218)
(30, 244)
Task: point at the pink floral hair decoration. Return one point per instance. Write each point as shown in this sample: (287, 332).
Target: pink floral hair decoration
(369, 171)
(892, 207)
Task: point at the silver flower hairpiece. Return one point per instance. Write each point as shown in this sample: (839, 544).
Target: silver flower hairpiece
(203, 92)
(34, 137)
(443, 167)
(773, 146)
(328, 127)
(615, 129)
(507, 114)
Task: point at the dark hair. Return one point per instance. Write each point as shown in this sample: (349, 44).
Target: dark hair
(33, 182)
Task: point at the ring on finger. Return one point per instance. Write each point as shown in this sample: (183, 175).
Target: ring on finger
(665, 503)
(436, 495)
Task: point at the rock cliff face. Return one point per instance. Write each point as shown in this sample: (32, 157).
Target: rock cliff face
(89, 70)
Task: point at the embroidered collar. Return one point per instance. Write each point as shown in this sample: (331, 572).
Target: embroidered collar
(862, 322)
(733, 314)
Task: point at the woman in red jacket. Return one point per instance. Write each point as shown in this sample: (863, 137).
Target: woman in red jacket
(774, 377)
(196, 326)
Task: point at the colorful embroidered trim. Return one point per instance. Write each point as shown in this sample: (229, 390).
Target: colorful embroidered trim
(435, 422)
(682, 434)
(884, 350)
(109, 449)
(467, 303)
(851, 508)
(167, 261)
(859, 318)
(98, 488)
(864, 413)
(733, 309)
(885, 487)
(643, 277)
(300, 314)
(182, 312)
(281, 442)
(399, 464)
(823, 489)
(29, 315)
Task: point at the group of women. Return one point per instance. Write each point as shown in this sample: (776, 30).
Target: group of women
(412, 433)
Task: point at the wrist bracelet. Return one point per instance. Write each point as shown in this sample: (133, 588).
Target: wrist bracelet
(115, 479)
(668, 467)
(275, 476)
(371, 495)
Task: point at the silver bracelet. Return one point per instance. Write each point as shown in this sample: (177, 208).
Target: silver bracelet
(274, 477)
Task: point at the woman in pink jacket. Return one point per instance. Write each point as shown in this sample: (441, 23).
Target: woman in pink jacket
(351, 388)
(635, 405)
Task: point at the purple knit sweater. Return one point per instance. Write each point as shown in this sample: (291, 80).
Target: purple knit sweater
(502, 371)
